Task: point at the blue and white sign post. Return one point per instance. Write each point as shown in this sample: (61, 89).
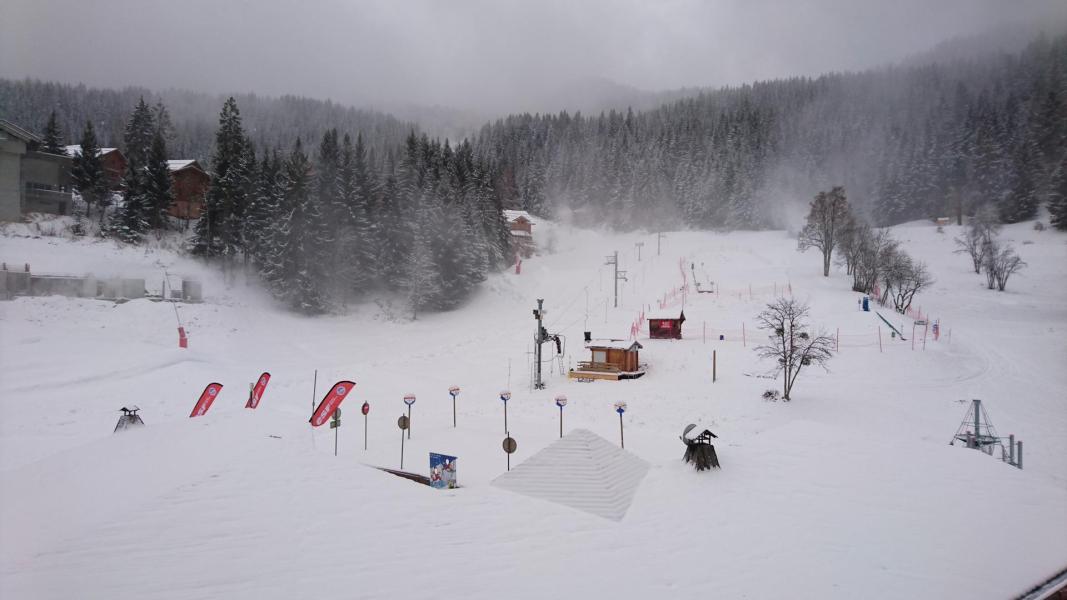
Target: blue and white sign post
(561, 401)
(504, 397)
(409, 400)
(453, 391)
(620, 407)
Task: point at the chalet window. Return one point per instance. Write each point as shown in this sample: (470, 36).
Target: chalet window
(600, 356)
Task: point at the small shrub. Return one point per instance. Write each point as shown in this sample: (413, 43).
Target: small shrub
(771, 395)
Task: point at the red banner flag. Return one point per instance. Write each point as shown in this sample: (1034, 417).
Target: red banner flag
(206, 398)
(330, 403)
(257, 391)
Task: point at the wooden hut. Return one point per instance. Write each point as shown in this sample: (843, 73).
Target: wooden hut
(666, 326)
(612, 360)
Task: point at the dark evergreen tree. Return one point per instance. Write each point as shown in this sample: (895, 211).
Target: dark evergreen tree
(52, 140)
(295, 265)
(219, 229)
(158, 192)
(140, 128)
(87, 172)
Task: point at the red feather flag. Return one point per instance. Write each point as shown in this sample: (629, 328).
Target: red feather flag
(330, 403)
(206, 398)
(257, 391)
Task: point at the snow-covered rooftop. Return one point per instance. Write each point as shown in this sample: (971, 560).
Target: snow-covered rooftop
(177, 165)
(665, 314)
(614, 344)
(511, 215)
(76, 150)
(520, 233)
(581, 470)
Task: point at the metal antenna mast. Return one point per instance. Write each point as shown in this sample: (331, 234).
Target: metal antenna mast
(614, 260)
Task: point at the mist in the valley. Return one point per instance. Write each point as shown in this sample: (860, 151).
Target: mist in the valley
(477, 58)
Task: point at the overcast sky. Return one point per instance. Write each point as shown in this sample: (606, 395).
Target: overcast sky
(490, 54)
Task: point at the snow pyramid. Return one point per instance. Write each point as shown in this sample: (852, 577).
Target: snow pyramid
(581, 470)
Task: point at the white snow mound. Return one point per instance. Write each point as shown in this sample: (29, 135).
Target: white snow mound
(581, 470)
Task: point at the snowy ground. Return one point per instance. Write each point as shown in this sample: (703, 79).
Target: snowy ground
(849, 491)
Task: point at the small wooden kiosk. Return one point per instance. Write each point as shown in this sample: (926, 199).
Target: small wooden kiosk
(612, 360)
(666, 326)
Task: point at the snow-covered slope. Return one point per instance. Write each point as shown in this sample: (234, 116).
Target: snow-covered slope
(850, 490)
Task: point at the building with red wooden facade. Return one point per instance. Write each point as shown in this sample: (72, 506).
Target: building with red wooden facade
(111, 159)
(190, 187)
(666, 325)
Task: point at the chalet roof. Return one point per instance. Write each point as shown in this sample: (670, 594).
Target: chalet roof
(614, 345)
(666, 314)
(513, 215)
(178, 165)
(76, 150)
(20, 133)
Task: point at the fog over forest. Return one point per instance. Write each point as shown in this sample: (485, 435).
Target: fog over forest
(350, 133)
(485, 57)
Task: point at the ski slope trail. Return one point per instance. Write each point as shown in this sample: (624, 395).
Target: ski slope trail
(850, 490)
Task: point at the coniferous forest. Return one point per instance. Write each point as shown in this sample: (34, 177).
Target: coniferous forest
(327, 203)
(906, 143)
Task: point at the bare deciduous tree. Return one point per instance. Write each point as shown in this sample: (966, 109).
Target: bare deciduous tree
(874, 247)
(981, 229)
(828, 215)
(790, 345)
(1000, 263)
(913, 278)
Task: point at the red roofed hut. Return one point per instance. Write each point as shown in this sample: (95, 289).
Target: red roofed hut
(666, 326)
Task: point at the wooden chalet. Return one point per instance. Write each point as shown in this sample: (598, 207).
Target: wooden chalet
(190, 186)
(666, 325)
(612, 360)
(113, 161)
(521, 225)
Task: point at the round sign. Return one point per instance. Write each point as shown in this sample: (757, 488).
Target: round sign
(339, 390)
(505, 395)
(409, 399)
(561, 401)
(366, 408)
(454, 390)
(510, 445)
(402, 422)
(620, 407)
(337, 413)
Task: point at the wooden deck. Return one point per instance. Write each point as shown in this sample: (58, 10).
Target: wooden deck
(588, 370)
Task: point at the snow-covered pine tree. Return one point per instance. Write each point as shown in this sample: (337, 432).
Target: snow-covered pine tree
(263, 209)
(421, 280)
(87, 172)
(218, 229)
(52, 140)
(132, 219)
(356, 246)
(295, 262)
(129, 221)
(140, 128)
